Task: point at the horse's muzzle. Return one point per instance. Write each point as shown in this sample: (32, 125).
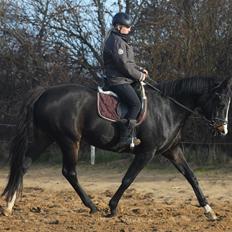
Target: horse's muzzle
(221, 128)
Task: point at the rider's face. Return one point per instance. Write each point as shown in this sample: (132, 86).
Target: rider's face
(124, 30)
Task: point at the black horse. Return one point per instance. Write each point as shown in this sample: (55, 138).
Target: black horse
(67, 114)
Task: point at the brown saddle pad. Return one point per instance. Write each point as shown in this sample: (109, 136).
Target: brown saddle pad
(111, 109)
(107, 105)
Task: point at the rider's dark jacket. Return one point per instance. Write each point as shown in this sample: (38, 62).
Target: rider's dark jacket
(119, 63)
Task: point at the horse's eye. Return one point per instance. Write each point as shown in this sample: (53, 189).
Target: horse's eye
(218, 96)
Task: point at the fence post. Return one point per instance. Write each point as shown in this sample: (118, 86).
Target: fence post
(92, 155)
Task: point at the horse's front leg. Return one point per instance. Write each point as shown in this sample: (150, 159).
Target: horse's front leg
(136, 166)
(176, 156)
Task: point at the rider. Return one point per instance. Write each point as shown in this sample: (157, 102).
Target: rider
(121, 71)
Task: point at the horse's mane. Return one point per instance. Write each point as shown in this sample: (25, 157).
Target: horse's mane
(196, 85)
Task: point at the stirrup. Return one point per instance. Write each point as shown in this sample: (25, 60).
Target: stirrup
(134, 142)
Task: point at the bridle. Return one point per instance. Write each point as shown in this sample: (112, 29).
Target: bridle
(211, 123)
(224, 122)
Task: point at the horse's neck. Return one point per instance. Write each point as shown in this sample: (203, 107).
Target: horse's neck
(163, 107)
(185, 102)
(165, 120)
(181, 103)
(188, 90)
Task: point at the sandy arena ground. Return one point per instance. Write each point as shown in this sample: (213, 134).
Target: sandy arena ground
(159, 200)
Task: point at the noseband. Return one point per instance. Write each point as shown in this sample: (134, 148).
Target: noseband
(224, 122)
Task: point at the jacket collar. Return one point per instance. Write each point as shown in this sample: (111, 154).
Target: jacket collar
(124, 37)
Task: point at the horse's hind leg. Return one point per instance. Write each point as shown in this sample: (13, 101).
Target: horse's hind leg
(70, 155)
(40, 142)
(176, 156)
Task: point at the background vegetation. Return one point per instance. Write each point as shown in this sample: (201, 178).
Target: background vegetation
(48, 42)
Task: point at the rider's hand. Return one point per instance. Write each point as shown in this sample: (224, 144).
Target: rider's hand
(145, 71)
(143, 77)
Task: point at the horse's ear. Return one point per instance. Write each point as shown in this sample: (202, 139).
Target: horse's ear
(218, 82)
(224, 83)
(229, 79)
(227, 82)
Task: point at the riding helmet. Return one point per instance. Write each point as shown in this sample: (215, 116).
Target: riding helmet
(122, 19)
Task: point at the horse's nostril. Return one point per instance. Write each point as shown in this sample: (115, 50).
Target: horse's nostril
(219, 127)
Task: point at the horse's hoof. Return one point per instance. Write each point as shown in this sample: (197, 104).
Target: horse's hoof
(209, 213)
(5, 212)
(93, 210)
(211, 216)
(112, 213)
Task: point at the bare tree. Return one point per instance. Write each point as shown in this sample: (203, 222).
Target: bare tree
(185, 38)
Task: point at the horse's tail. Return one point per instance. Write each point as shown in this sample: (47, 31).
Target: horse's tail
(19, 144)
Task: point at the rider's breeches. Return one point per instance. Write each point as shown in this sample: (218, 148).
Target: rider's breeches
(128, 96)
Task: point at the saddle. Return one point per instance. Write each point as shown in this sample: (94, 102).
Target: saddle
(110, 108)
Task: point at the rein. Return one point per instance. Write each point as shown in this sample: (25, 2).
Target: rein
(210, 122)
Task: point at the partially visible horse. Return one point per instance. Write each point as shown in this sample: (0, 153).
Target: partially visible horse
(67, 114)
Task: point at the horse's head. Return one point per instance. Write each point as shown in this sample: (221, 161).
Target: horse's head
(215, 106)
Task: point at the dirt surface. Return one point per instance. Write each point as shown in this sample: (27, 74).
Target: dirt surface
(157, 201)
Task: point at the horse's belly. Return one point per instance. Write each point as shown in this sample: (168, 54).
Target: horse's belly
(100, 136)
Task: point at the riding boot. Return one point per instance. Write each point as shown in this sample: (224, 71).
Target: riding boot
(127, 134)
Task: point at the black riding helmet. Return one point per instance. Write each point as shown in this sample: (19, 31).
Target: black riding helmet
(122, 19)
